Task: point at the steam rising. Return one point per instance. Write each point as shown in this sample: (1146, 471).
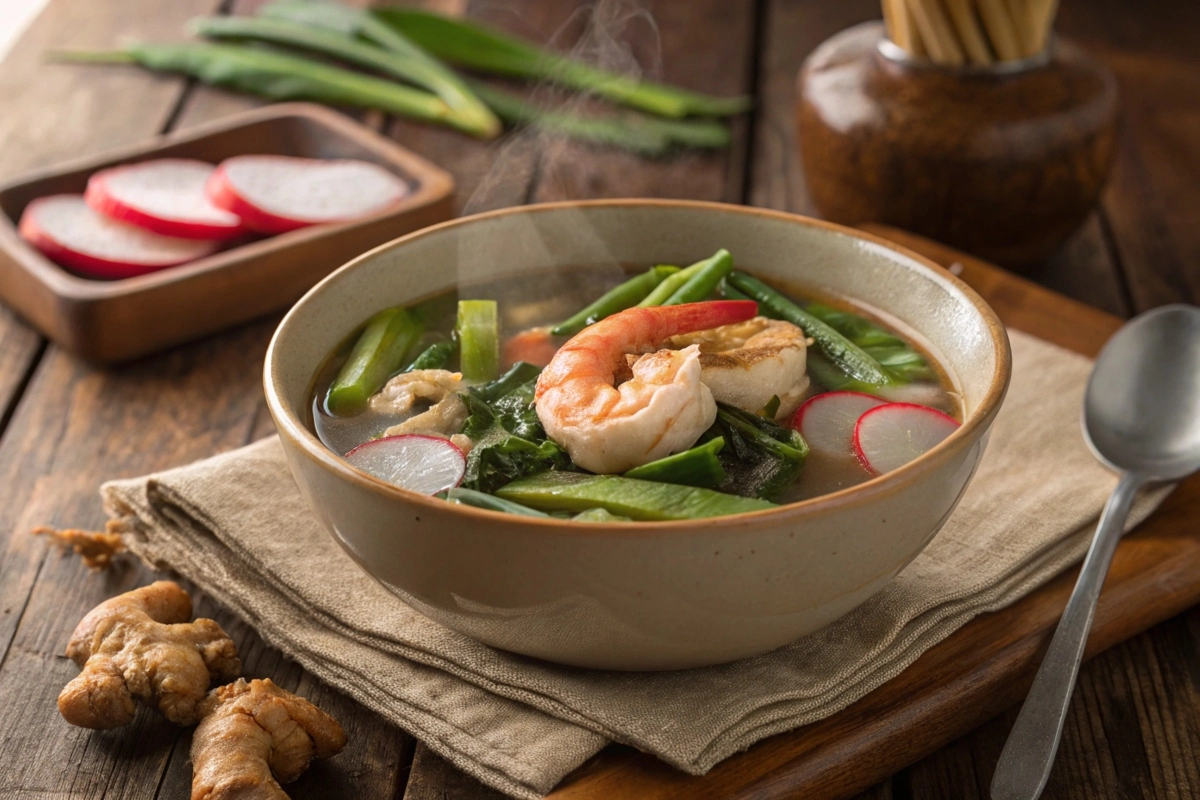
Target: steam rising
(528, 158)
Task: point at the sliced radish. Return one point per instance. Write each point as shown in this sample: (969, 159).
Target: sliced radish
(827, 420)
(891, 435)
(165, 196)
(70, 233)
(425, 464)
(274, 194)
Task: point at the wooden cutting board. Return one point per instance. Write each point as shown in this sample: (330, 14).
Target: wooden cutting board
(979, 671)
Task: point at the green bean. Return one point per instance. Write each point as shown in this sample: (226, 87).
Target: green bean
(486, 50)
(470, 497)
(847, 356)
(728, 292)
(436, 356)
(704, 281)
(275, 75)
(478, 331)
(470, 115)
(619, 298)
(695, 467)
(641, 500)
(379, 351)
(669, 286)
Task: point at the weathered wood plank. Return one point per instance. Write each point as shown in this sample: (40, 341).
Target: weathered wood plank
(1151, 203)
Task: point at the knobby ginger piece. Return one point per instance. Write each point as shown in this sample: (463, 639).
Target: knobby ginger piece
(95, 547)
(254, 736)
(141, 644)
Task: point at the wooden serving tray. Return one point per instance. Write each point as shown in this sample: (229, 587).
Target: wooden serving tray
(117, 320)
(979, 671)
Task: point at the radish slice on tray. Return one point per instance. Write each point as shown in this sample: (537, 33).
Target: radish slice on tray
(424, 464)
(891, 435)
(274, 194)
(827, 420)
(165, 196)
(70, 233)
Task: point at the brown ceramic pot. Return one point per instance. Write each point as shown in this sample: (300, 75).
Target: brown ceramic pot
(1004, 162)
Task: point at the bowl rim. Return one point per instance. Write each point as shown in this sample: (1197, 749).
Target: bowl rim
(289, 424)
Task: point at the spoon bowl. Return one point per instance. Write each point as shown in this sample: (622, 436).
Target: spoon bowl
(1141, 412)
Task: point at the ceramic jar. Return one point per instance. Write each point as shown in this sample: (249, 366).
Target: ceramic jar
(1004, 162)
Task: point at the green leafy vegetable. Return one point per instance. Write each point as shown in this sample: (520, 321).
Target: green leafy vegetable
(637, 499)
(436, 356)
(487, 50)
(698, 466)
(378, 353)
(762, 458)
(599, 515)
(898, 358)
(508, 439)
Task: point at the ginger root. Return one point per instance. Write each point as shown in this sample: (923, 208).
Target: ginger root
(141, 644)
(254, 736)
(95, 547)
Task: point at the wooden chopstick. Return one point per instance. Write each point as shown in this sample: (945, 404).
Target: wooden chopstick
(1042, 12)
(962, 14)
(936, 32)
(901, 27)
(1000, 29)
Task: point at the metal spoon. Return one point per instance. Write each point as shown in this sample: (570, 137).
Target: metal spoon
(1141, 416)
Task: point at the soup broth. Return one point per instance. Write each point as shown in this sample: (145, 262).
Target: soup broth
(522, 306)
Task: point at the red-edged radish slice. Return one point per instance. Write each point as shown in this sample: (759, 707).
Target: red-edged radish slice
(827, 420)
(891, 435)
(74, 235)
(165, 196)
(425, 464)
(274, 194)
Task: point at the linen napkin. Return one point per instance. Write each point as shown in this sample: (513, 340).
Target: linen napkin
(236, 526)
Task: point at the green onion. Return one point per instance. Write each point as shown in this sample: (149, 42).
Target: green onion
(474, 46)
(696, 467)
(478, 331)
(635, 132)
(701, 284)
(619, 298)
(847, 356)
(470, 497)
(275, 75)
(379, 351)
(301, 30)
(436, 356)
(640, 500)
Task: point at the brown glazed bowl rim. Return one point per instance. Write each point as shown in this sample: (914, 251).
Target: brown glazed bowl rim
(306, 442)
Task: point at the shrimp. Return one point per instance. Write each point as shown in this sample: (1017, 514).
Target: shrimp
(535, 346)
(662, 409)
(444, 418)
(747, 363)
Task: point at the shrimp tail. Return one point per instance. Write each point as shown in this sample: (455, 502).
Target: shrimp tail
(691, 317)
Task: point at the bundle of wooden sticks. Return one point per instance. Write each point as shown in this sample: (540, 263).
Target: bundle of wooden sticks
(980, 32)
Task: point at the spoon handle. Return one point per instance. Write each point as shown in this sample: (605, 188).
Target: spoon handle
(1029, 752)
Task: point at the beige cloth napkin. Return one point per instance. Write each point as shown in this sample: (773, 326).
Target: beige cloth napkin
(237, 526)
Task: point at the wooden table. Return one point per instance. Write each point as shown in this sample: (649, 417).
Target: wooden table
(1134, 729)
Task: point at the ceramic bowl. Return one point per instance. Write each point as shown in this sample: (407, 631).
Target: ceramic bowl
(640, 596)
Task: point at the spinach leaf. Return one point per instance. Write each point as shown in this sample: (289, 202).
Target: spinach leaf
(761, 459)
(508, 439)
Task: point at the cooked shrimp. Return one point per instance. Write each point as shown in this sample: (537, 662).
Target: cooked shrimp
(662, 409)
(444, 418)
(747, 363)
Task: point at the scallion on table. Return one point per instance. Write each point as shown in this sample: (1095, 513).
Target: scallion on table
(303, 30)
(486, 50)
